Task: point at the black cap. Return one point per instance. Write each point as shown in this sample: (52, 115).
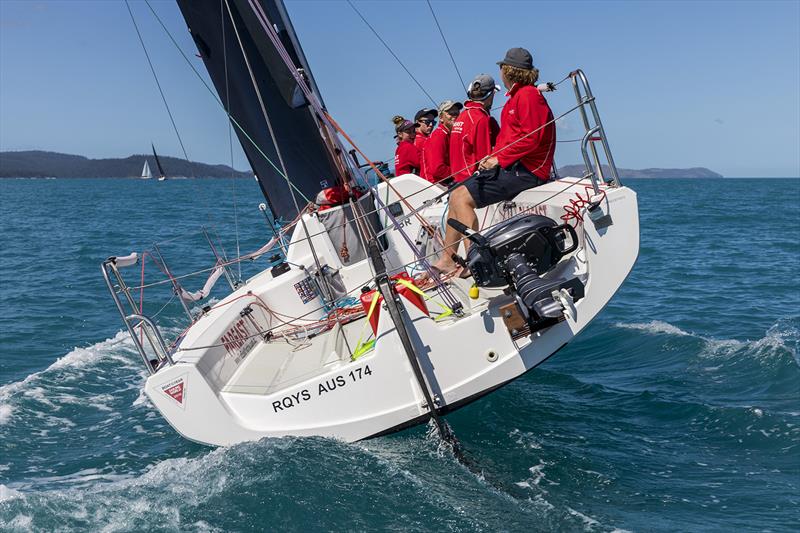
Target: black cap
(422, 112)
(518, 57)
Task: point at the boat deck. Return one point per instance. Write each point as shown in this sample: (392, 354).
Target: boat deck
(279, 364)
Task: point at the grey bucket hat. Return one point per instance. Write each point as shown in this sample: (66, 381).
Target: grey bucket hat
(517, 57)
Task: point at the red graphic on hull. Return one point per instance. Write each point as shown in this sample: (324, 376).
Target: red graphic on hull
(176, 392)
(175, 389)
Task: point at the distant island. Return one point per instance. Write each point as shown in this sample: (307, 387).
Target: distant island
(40, 164)
(625, 173)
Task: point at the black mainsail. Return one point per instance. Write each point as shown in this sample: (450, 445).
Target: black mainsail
(262, 96)
(161, 173)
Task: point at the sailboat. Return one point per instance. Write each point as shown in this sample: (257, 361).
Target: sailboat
(146, 174)
(337, 338)
(161, 175)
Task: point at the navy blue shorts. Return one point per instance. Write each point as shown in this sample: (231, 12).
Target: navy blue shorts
(501, 184)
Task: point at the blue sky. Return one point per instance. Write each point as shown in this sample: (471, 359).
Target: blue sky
(679, 84)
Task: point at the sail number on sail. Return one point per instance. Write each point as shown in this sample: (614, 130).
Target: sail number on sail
(323, 387)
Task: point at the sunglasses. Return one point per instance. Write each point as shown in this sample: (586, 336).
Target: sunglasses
(426, 121)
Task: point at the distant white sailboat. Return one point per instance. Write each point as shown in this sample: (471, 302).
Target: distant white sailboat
(146, 174)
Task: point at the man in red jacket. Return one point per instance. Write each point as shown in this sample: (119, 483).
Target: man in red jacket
(425, 120)
(522, 157)
(524, 140)
(435, 159)
(475, 131)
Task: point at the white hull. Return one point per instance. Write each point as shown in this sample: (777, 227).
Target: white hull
(242, 391)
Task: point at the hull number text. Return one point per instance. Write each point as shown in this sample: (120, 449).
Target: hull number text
(321, 389)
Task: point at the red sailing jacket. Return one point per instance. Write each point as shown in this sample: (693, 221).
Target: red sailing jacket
(420, 140)
(473, 135)
(436, 156)
(523, 113)
(406, 158)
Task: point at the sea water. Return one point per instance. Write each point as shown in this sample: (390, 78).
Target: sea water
(678, 409)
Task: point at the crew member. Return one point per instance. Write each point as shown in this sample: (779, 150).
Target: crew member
(474, 133)
(436, 152)
(406, 156)
(522, 156)
(425, 120)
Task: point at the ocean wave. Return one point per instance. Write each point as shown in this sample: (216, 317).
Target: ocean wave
(78, 396)
(783, 336)
(92, 376)
(77, 359)
(656, 327)
(92, 498)
(180, 494)
(8, 493)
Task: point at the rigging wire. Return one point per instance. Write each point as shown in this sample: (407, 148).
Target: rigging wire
(392, 52)
(436, 20)
(158, 84)
(325, 117)
(216, 98)
(261, 103)
(300, 82)
(230, 138)
(325, 282)
(378, 209)
(357, 286)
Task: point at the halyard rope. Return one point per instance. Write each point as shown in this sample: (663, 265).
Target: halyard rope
(158, 84)
(392, 52)
(455, 66)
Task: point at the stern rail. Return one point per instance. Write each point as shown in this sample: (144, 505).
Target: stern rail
(134, 320)
(584, 96)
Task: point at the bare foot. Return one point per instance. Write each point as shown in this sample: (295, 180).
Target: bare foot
(444, 264)
(424, 279)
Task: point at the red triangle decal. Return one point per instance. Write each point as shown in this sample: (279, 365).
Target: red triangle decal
(174, 391)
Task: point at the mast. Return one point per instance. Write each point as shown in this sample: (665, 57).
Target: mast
(282, 135)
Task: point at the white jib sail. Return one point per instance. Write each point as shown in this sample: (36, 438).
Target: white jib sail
(146, 174)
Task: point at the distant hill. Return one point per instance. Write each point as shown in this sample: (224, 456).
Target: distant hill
(37, 164)
(695, 172)
(40, 164)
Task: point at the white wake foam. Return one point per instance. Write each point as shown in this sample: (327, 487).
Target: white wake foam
(5, 413)
(123, 502)
(656, 327)
(8, 494)
(782, 335)
(39, 386)
(78, 358)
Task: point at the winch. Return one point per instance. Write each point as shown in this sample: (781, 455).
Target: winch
(517, 253)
